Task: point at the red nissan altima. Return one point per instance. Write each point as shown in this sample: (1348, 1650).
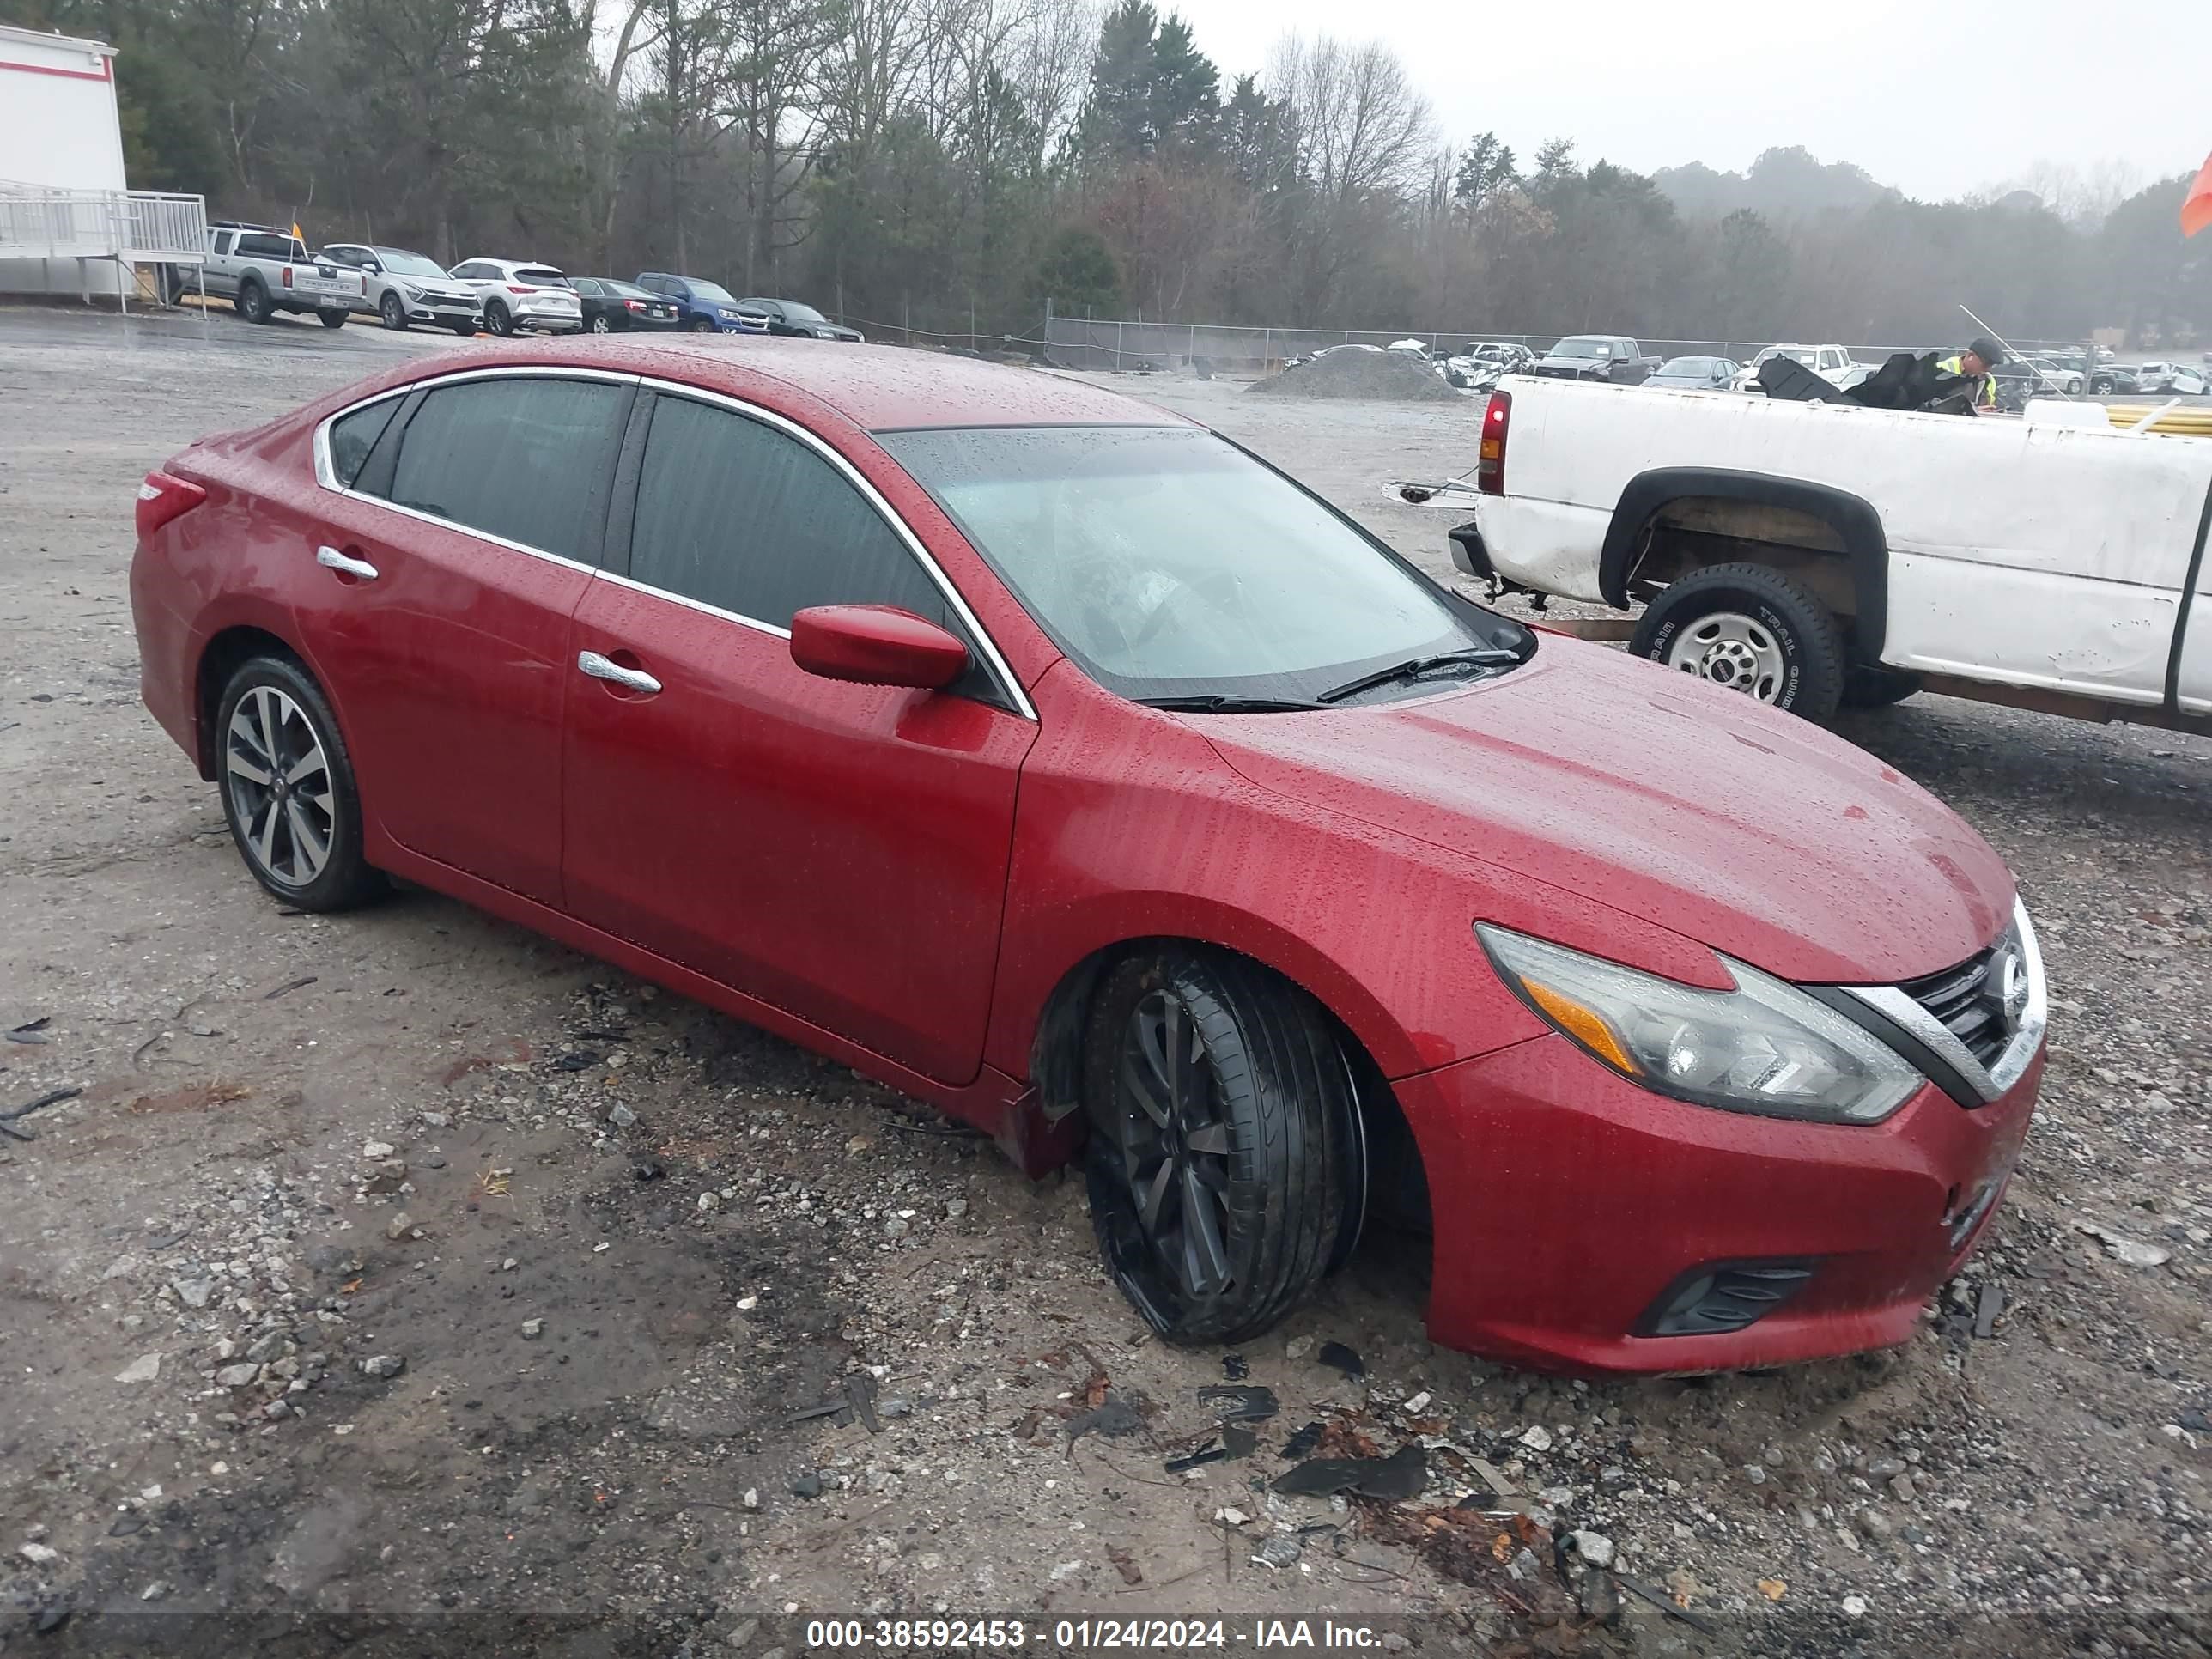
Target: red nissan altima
(1066, 766)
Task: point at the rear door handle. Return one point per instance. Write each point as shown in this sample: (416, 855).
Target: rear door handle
(630, 679)
(331, 559)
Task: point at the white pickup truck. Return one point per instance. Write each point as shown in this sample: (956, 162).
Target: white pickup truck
(262, 271)
(1812, 554)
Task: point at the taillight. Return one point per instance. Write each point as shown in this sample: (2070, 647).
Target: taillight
(161, 498)
(287, 276)
(633, 305)
(1490, 457)
(511, 288)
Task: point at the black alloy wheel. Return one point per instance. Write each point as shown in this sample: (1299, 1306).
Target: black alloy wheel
(1225, 1165)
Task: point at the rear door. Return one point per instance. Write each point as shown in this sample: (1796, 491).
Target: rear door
(461, 528)
(221, 273)
(837, 850)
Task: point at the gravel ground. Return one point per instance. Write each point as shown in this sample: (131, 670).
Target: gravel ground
(403, 1283)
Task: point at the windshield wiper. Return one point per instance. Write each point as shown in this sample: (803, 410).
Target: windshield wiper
(1224, 704)
(1414, 668)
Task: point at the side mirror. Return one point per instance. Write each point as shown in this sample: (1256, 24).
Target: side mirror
(875, 644)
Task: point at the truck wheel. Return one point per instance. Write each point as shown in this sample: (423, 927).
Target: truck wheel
(701, 326)
(1750, 629)
(1222, 1119)
(252, 303)
(1878, 687)
(393, 312)
(332, 319)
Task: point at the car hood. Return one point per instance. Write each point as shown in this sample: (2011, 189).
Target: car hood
(1692, 808)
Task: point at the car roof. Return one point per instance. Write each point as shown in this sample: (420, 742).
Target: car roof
(879, 388)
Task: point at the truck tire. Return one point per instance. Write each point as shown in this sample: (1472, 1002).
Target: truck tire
(1877, 687)
(332, 319)
(253, 303)
(1749, 628)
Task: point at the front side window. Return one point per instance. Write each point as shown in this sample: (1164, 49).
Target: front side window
(526, 459)
(1166, 562)
(734, 514)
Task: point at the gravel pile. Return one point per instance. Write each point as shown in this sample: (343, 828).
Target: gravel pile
(1389, 376)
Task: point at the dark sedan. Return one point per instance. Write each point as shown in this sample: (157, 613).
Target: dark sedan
(801, 321)
(612, 307)
(1697, 374)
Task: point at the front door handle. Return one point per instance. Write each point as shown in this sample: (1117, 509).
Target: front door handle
(630, 679)
(331, 559)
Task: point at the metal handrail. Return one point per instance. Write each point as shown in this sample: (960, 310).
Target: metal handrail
(140, 227)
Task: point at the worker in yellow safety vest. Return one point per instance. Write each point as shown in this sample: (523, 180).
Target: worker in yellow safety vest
(1975, 363)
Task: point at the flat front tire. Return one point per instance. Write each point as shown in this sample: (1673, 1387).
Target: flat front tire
(1222, 1163)
(1748, 628)
(288, 788)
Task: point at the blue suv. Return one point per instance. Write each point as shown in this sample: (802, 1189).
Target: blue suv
(703, 307)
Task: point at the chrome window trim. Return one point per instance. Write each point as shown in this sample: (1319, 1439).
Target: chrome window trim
(992, 660)
(1991, 1081)
(326, 477)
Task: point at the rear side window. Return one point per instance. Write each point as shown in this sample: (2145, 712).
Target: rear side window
(736, 514)
(255, 246)
(352, 436)
(528, 460)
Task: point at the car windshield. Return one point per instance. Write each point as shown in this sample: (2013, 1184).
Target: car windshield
(399, 262)
(712, 292)
(1690, 368)
(1583, 346)
(1168, 563)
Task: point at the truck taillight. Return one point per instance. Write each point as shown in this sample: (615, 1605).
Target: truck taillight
(287, 276)
(1490, 456)
(161, 498)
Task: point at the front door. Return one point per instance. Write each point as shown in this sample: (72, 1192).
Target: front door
(450, 561)
(839, 851)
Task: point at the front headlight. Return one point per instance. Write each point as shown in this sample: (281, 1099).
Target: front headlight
(1765, 1047)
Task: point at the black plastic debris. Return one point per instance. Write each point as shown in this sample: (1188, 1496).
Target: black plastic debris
(1212, 1452)
(31, 1031)
(51, 1098)
(1245, 1403)
(1336, 1355)
(1301, 1443)
(861, 1392)
(1237, 1442)
(576, 1060)
(1402, 1474)
(1114, 1419)
(288, 986)
(1234, 1367)
(1666, 1604)
(648, 1169)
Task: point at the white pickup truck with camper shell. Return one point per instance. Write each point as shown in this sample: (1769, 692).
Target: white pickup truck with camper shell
(1814, 554)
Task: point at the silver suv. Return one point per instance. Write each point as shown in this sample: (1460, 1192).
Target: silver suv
(402, 287)
(522, 294)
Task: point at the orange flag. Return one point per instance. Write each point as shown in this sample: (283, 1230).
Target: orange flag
(2197, 206)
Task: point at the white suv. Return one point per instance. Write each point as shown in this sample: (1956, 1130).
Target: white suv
(521, 293)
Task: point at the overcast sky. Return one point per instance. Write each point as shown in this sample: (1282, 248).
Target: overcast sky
(1936, 97)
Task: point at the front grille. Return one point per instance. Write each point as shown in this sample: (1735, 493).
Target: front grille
(1955, 998)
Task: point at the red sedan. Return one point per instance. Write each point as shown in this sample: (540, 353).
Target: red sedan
(1062, 764)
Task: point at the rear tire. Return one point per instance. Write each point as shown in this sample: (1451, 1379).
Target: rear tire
(599, 324)
(499, 319)
(1752, 629)
(252, 303)
(701, 326)
(1222, 1165)
(288, 788)
(332, 319)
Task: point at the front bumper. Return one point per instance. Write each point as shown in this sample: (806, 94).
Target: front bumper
(1568, 1203)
